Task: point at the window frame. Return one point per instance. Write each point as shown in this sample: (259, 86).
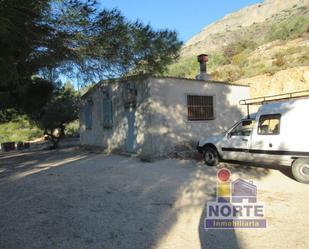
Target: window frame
(201, 95)
(276, 115)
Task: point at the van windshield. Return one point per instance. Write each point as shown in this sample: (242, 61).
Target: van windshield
(251, 118)
(225, 131)
(244, 128)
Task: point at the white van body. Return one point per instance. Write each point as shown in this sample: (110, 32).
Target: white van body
(277, 134)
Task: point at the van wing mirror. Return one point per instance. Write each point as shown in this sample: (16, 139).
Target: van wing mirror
(246, 122)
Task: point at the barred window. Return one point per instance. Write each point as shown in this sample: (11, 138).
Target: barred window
(200, 107)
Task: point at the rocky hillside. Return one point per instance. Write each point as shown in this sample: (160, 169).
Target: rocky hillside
(250, 23)
(266, 45)
(284, 81)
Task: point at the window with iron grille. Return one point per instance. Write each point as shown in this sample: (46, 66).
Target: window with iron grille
(200, 107)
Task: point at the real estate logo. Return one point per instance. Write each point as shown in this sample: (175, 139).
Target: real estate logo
(236, 205)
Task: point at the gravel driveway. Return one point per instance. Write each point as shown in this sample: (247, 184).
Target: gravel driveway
(73, 199)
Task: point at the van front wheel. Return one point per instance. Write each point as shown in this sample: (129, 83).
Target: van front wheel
(211, 156)
(300, 170)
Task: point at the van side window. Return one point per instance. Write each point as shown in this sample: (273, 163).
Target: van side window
(269, 124)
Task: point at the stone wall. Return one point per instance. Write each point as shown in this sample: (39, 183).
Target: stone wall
(114, 138)
(170, 128)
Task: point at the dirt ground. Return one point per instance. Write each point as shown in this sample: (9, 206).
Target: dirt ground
(69, 198)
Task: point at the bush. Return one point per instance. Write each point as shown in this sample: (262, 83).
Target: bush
(241, 59)
(254, 70)
(72, 129)
(19, 129)
(289, 28)
(237, 48)
(215, 75)
(304, 60)
(216, 59)
(228, 73)
(187, 68)
(279, 60)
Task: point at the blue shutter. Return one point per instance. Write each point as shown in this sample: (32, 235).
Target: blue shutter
(107, 113)
(88, 116)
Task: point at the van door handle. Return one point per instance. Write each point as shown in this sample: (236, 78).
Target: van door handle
(245, 139)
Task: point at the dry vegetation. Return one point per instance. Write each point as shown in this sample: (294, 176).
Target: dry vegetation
(284, 44)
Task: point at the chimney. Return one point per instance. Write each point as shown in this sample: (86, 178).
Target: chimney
(203, 59)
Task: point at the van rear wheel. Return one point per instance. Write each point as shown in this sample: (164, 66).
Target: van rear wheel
(300, 170)
(211, 156)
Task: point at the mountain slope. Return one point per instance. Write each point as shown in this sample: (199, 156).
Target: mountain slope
(249, 23)
(266, 45)
(284, 81)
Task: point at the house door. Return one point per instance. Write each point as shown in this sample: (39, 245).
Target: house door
(131, 130)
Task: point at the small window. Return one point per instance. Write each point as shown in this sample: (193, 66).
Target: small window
(269, 124)
(200, 107)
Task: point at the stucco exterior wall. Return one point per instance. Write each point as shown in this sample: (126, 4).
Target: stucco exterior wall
(114, 138)
(160, 117)
(170, 128)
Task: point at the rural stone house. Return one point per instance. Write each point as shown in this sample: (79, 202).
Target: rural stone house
(155, 116)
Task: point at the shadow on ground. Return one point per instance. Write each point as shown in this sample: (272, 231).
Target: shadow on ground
(223, 238)
(72, 199)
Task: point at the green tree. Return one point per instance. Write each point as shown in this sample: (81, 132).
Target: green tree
(75, 39)
(60, 110)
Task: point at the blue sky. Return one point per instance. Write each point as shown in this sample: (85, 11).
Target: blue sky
(187, 17)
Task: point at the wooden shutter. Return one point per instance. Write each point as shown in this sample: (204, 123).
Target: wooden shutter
(107, 113)
(88, 116)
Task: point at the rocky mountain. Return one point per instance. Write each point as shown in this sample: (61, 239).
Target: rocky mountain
(265, 45)
(249, 23)
(289, 80)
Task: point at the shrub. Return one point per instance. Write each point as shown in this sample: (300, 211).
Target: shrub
(228, 73)
(215, 75)
(254, 70)
(279, 60)
(72, 129)
(237, 48)
(216, 59)
(241, 59)
(304, 59)
(289, 28)
(187, 67)
(19, 129)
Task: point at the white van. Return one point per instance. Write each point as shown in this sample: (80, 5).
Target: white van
(277, 134)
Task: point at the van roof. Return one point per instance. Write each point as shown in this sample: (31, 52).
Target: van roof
(284, 106)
